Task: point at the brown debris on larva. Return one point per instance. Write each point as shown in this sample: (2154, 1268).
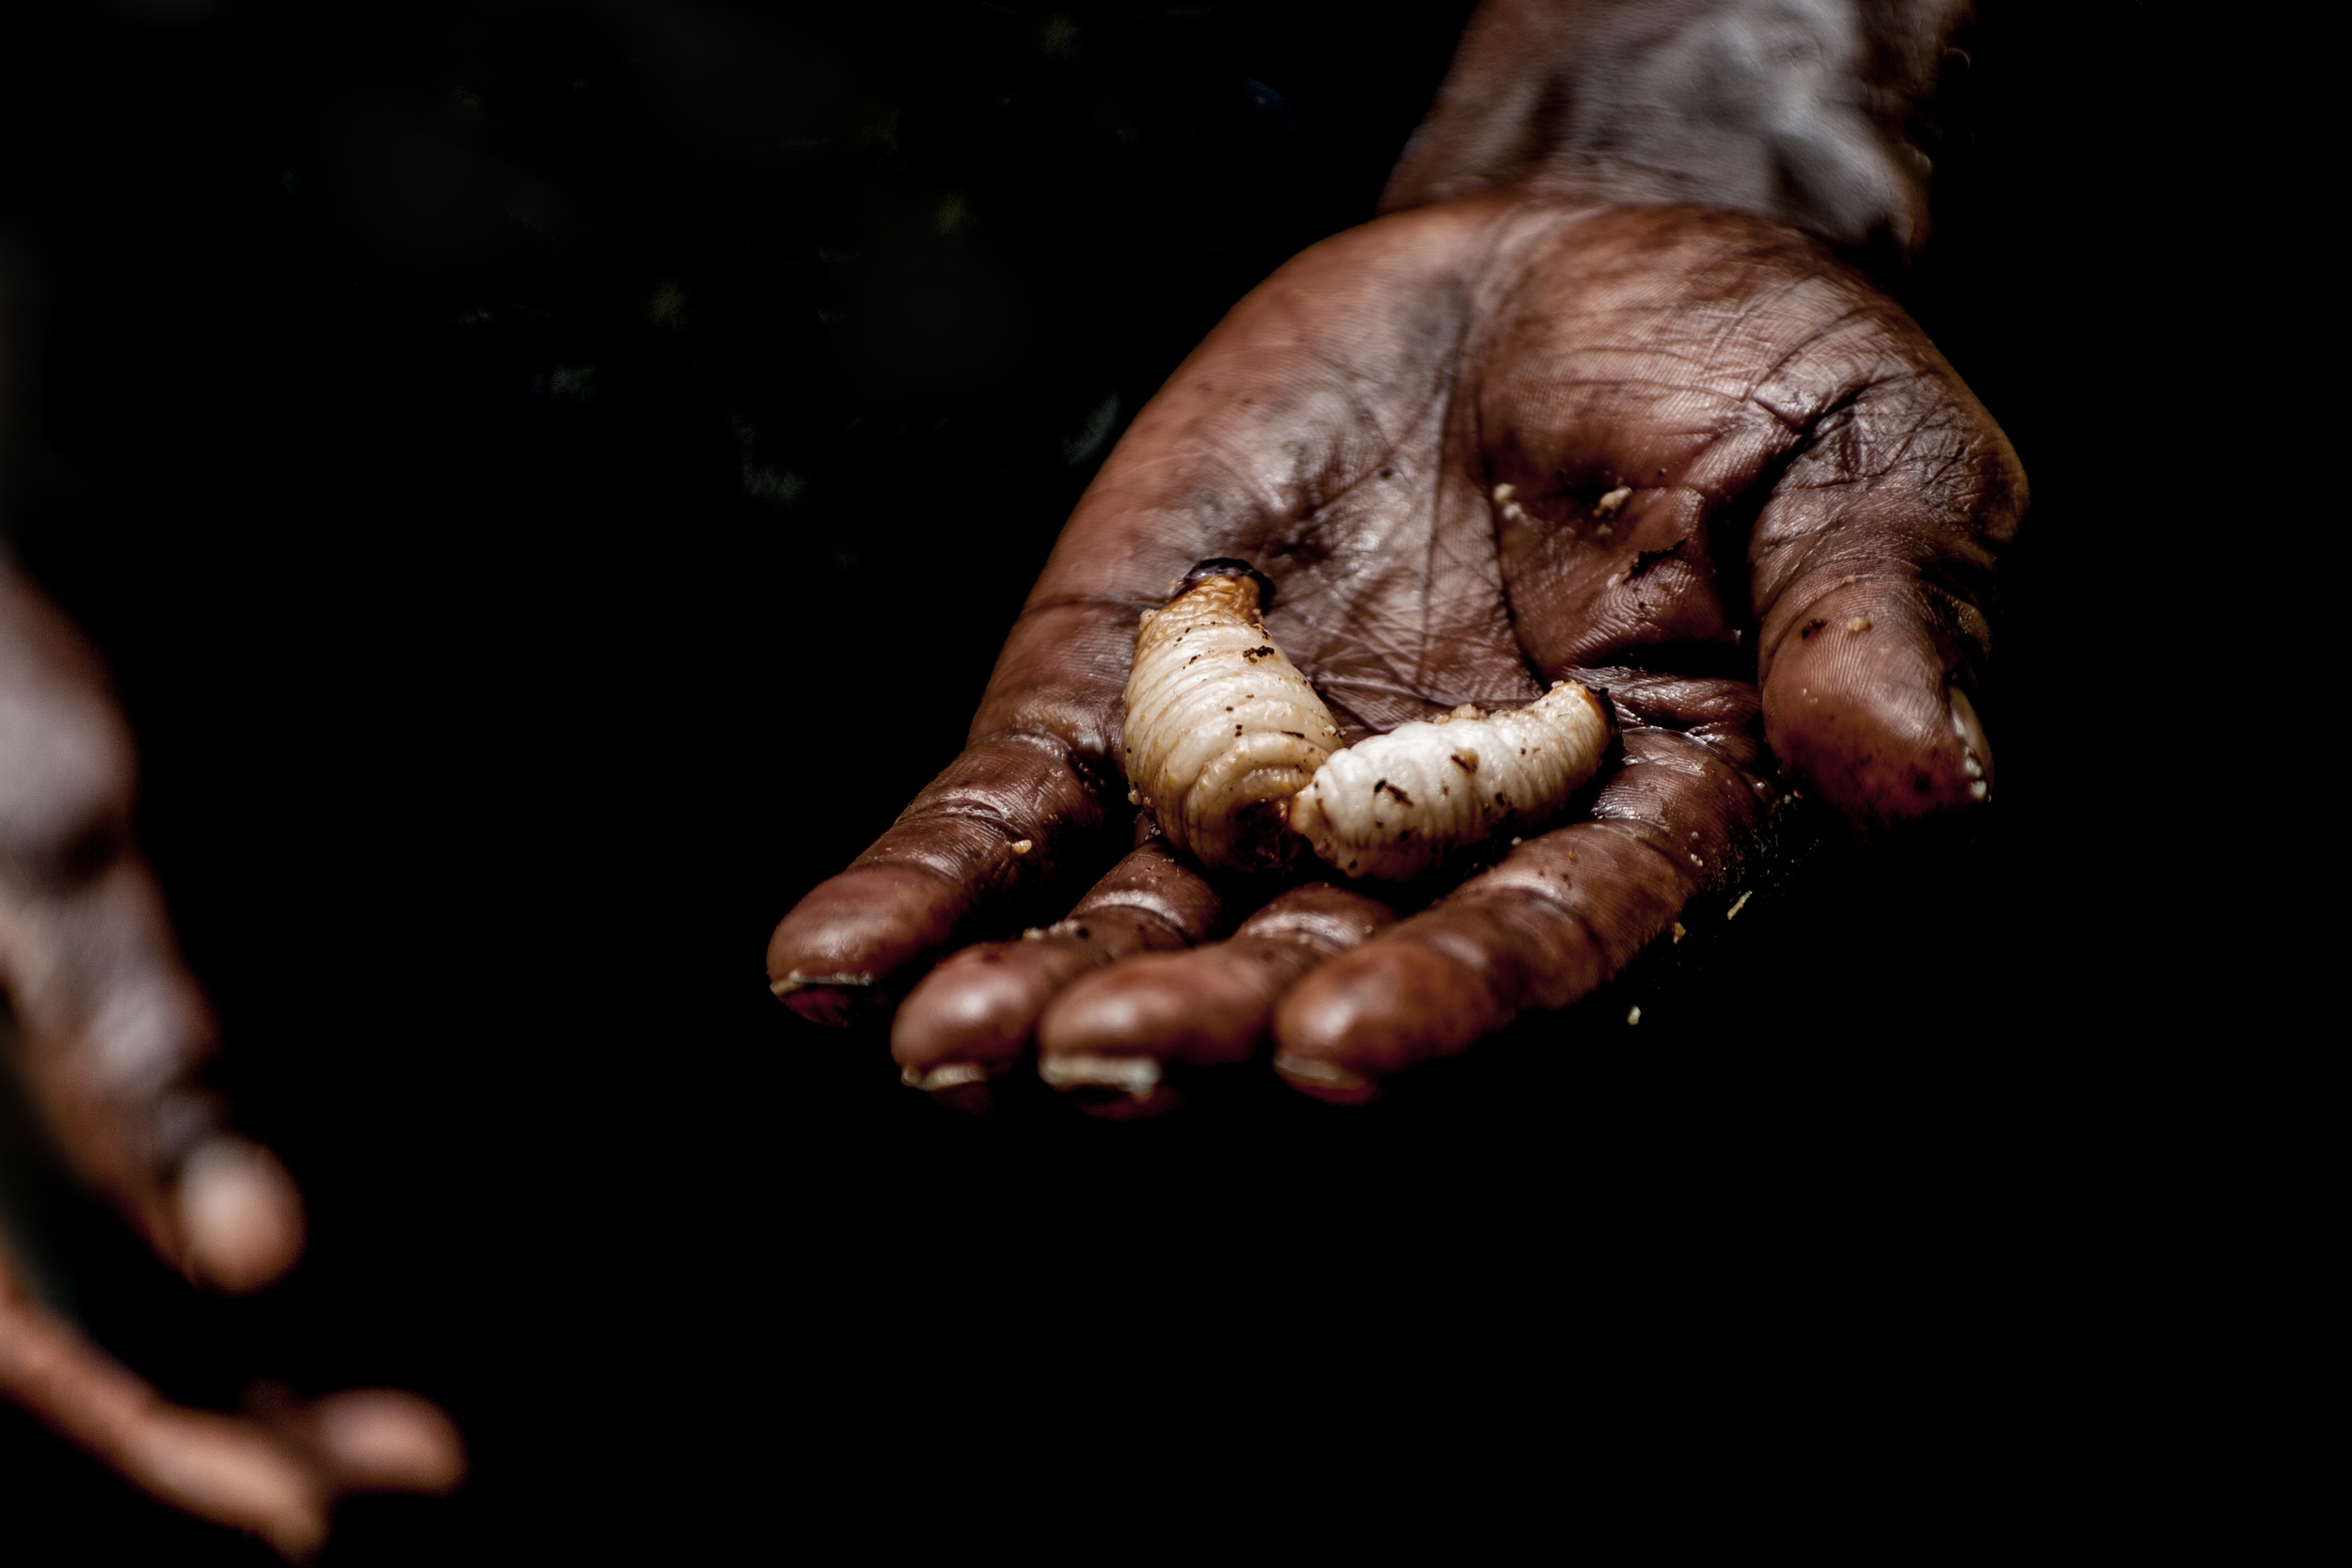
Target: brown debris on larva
(1528, 761)
(1223, 796)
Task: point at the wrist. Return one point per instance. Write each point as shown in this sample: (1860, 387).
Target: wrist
(1802, 110)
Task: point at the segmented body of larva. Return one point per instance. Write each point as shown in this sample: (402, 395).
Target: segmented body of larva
(1222, 730)
(1388, 806)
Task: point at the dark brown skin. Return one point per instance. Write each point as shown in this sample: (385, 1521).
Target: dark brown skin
(1212, 1004)
(1812, 488)
(111, 1037)
(982, 1005)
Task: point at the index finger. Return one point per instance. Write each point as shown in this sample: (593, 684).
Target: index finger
(1027, 807)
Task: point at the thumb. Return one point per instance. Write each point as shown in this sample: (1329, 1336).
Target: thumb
(1873, 568)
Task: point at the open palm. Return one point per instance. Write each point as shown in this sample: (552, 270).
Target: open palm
(1682, 454)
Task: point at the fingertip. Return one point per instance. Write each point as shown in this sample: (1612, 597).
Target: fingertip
(386, 1440)
(829, 960)
(1374, 1011)
(240, 1215)
(979, 1008)
(1865, 714)
(1206, 1007)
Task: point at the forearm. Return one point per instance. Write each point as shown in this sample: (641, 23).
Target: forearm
(1803, 110)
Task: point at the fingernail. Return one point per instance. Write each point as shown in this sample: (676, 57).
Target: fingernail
(800, 979)
(948, 1075)
(1325, 1080)
(1976, 750)
(1136, 1076)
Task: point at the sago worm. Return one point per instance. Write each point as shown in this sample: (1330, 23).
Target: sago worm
(1232, 750)
(1388, 806)
(1222, 730)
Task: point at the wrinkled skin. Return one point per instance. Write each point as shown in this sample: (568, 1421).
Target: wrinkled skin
(1788, 594)
(111, 1037)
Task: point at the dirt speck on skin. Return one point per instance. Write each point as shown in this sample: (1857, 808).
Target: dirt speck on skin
(1645, 561)
(1860, 623)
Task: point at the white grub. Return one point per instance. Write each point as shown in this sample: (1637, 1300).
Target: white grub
(1738, 904)
(1679, 932)
(1022, 846)
(1389, 806)
(1222, 730)
(1633, 1015)
(1612, 500)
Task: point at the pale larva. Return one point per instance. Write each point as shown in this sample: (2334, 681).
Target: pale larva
(1388, 806)
(1222, 730)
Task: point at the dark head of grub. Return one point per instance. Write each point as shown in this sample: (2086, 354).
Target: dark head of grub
(1608, 708)
(1263, 840)
(1226, 567)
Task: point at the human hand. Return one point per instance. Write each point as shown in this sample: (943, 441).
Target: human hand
(112, 1038)
(1682, 454)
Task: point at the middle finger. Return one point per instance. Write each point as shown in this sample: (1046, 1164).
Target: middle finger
(1205, 1007)
(974, 1015)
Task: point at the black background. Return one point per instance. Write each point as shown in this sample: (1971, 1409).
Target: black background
(551, 482)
